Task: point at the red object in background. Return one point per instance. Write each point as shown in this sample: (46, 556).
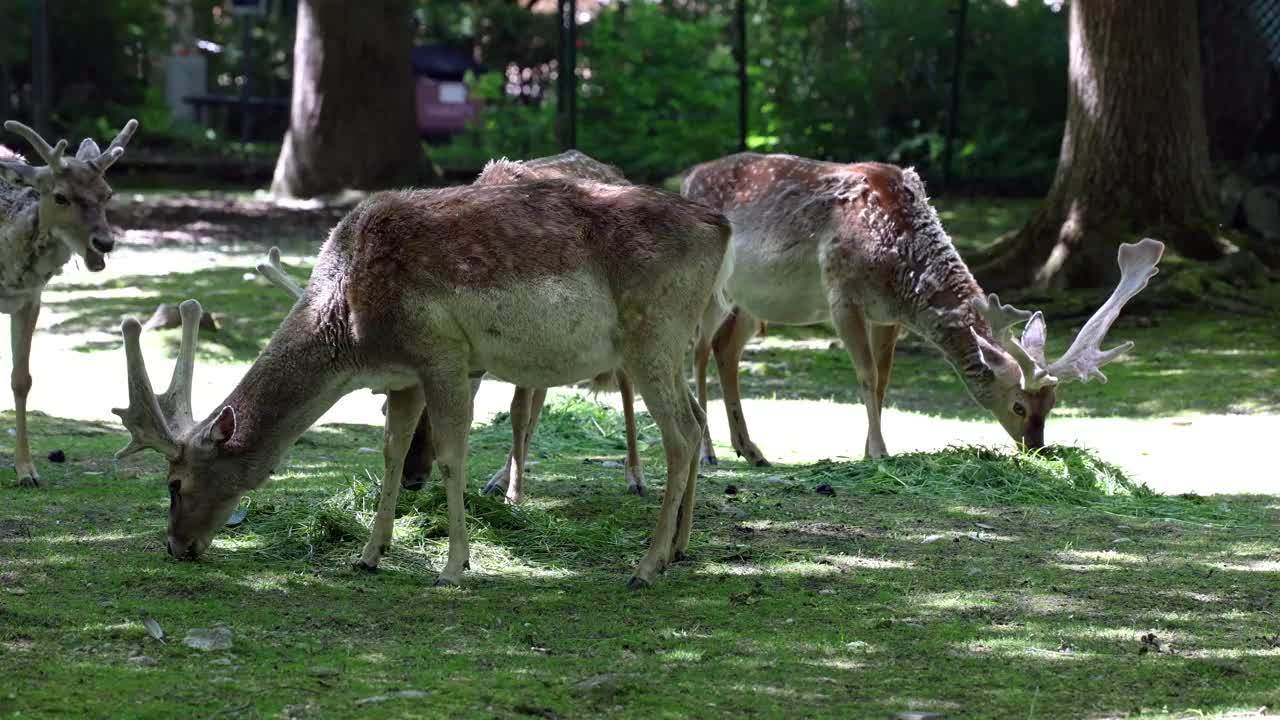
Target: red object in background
(443, 107)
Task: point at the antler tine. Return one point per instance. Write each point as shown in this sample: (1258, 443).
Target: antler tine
(273, 270)
(176, 401)
(143, 418)
(116, 149)
(1083, 359)
(1000, 317)
(51, 155)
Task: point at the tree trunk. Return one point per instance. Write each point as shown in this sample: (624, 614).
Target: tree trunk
(352, 122)
(1236, 72)
(1134, 159)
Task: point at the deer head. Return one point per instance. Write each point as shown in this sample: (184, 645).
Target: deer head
(73, 191)
(1025, 383)
(197, 505)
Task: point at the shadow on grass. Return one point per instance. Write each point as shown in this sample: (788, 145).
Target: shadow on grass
(865, 603)
(247, 311)
(1187, 363)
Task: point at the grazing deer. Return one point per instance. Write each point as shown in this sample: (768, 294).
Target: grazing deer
(47, 214)
(861, 246)
(526, 403)
(539, 283)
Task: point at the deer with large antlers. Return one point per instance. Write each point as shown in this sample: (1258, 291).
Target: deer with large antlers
(540, 284)
(47, 214)
(526, 403)
(860, 245)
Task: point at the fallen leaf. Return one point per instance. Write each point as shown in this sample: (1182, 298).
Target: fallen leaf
(930, 539)
(153, 629)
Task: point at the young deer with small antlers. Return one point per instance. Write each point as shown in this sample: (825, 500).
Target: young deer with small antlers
(861, 246)
(540, 283)
(526, 403)
(47, 214)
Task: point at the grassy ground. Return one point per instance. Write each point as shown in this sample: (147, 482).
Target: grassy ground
(963, 582)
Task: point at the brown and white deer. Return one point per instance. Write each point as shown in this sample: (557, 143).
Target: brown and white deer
(860, 245)
(47, 214)
(540, 283)
(526, 403)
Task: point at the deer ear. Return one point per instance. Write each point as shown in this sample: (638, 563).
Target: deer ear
(88, 151)
(222, 427)
(18, 173)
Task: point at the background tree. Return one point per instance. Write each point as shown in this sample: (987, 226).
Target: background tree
(352, 122)
(1135, 154)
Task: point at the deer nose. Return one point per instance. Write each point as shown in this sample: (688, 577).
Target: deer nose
(102, 245)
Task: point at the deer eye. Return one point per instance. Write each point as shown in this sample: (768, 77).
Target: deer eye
(61, 199)
(1019, 410)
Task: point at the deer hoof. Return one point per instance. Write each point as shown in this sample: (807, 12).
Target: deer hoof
(493, 488)
(761, 462)
(638, 583)
(679, 556)
(443, 581)
(413, 484)
(29, 481)
(636, 489)
(363, 566)
(710, 460)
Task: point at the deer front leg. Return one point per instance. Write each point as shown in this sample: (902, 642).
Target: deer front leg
(404, 407)
(728, 344)
(852, 328)
(22, 325)
(667, 398)
(884, 339)
(635, 474)
(450, 407)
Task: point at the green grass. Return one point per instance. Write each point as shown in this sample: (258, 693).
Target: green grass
(969, 582)
(884, 597)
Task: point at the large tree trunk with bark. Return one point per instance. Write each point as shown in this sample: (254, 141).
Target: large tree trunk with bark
(1134, 159)
(352, 122)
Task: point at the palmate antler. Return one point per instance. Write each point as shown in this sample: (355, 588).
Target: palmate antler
(273, 270)
(159, 422)
(1083, 360)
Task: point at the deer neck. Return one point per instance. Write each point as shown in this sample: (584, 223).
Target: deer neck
(292, 383)
(29, 254)
(955, 338)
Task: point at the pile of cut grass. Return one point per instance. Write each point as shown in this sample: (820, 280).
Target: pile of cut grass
(337, 527)
(1062, 475)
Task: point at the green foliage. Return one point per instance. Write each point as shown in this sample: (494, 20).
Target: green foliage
(846, 81)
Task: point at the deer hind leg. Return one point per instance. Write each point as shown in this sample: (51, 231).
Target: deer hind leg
(22, 326)
(852, 327)
(635, 473)
(417, 465)
(667, 397)
(451, 409)
(702, 358)
(404, 407)
(526, 405)
(684, 526)
(728, 344)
